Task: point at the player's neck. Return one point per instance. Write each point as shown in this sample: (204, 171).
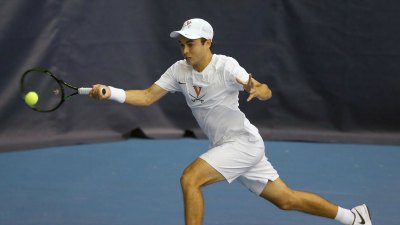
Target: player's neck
(204, 63)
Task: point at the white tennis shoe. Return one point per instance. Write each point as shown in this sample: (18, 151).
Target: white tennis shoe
(362, 216)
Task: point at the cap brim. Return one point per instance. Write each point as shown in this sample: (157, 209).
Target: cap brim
(175, 34)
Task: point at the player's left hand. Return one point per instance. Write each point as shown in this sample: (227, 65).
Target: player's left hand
(249, 87)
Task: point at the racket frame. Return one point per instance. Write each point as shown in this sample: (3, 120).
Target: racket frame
(60, 82)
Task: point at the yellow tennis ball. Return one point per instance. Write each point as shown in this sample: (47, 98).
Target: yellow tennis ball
(31, 98)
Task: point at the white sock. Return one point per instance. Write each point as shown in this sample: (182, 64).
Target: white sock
(345, 216)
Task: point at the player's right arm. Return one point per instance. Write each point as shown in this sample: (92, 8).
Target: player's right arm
(144, 97)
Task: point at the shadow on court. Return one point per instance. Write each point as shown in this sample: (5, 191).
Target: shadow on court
(137, 182)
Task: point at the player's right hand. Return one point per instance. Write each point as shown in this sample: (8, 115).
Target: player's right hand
(100, 91)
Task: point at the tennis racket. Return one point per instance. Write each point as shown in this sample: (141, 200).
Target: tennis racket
(51, 92)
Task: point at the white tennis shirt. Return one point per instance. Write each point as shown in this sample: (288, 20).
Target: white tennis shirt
(213, 96)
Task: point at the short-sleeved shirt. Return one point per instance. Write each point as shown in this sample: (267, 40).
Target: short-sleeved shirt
(213, 97)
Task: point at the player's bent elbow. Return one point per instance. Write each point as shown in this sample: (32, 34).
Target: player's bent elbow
(148, 102)
(145, 101)
(149, 99)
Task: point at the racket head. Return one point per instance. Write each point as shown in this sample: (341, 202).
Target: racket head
(47, 86)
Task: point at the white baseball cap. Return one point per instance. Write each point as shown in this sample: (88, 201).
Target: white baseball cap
(194, 29)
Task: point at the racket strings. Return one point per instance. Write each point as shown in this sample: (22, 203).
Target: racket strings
(49, 91)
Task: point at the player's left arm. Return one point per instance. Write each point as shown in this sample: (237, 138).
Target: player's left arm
(256, 89)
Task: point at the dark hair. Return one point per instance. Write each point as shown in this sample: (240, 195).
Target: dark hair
(203, 40)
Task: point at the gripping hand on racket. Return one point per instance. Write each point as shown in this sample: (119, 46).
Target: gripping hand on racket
(100, 91)
(255, 89)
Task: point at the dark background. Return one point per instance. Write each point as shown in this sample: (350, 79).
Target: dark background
(333, 66)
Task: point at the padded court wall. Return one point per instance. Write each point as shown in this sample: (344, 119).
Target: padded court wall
(333, 66)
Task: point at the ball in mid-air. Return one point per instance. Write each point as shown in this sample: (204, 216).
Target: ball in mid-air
(31, 98)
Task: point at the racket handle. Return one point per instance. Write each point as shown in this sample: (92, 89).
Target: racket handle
(84, 90)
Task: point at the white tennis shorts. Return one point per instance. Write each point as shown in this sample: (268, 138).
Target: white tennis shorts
(242, 159)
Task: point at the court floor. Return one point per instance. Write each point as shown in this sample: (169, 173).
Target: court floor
(137, 182)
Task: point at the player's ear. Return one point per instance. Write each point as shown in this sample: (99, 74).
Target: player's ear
(206, 42)
(209, 43)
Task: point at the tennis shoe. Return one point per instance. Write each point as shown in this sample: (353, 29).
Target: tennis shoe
(361, 215)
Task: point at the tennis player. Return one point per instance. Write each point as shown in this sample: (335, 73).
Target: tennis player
(211, 84)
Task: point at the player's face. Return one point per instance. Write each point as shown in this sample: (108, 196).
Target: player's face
(193, 51)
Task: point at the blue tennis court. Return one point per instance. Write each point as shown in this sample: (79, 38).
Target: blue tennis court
(137, 182)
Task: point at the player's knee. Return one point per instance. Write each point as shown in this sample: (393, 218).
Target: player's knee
(288, 202)
(286, 205)
(188, 180)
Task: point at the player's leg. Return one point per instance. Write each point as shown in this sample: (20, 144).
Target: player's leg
(217, 164)
(198, 174)
(285, 198)
(263, 180)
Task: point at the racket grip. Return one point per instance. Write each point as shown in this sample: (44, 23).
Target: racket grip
(84, 90)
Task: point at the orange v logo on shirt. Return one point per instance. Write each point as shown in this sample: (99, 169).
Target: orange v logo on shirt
(197, 90)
